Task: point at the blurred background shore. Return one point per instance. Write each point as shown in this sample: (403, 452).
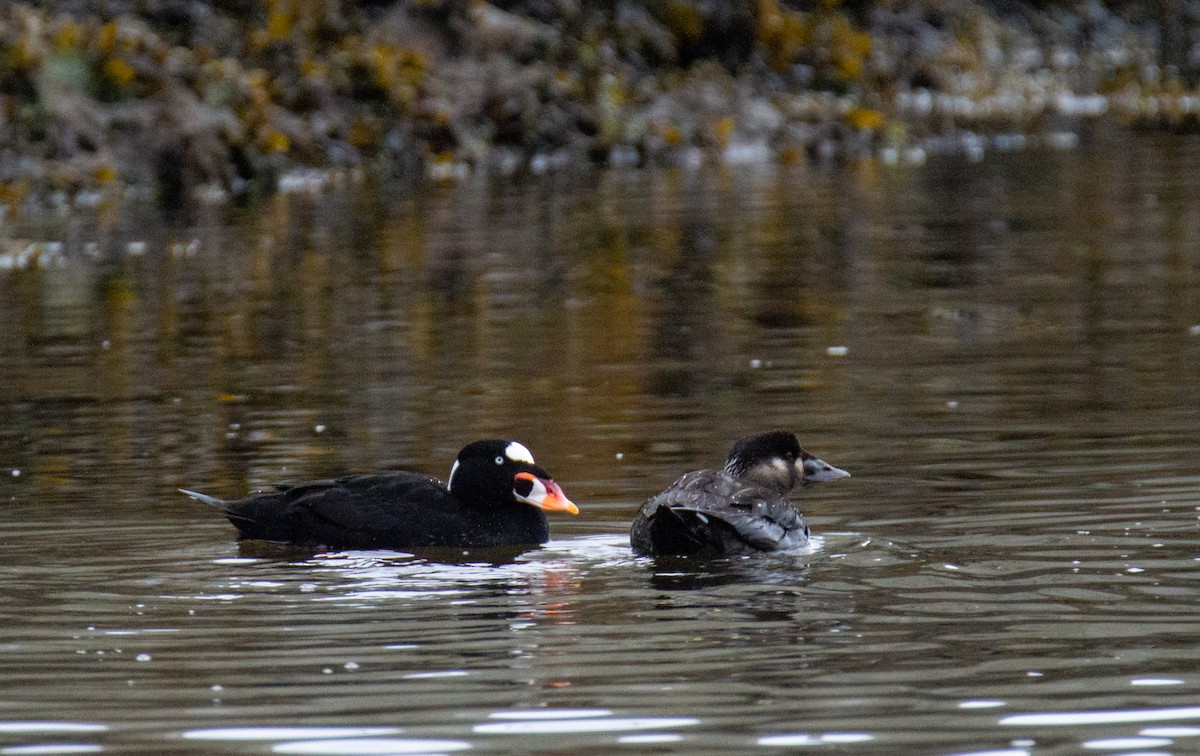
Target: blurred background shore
(182, 99)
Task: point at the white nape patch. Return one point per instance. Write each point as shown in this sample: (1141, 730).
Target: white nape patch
(453, 469)
(518, 453)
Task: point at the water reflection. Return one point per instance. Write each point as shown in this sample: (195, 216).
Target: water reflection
(379, 746)
(285, 733)
(1103, 717)
(1007, 351)
(690, 574)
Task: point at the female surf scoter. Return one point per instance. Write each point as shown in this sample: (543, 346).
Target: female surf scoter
(495, 496)
(742, 509)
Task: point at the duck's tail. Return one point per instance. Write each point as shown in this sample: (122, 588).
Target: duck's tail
(211, 501)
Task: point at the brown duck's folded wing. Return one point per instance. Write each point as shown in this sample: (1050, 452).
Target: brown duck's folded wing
(708, 511)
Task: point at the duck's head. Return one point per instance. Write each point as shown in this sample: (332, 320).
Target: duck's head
(775, 460)
(499, 469)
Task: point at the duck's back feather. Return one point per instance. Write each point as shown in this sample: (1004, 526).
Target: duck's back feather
(709, 512)
(380, 510)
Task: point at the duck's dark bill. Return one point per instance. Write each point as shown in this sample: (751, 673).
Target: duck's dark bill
(542, 493)
(820, 471)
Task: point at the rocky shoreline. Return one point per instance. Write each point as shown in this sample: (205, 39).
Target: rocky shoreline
(219, 98)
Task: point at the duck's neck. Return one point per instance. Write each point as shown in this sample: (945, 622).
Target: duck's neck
(515, 525)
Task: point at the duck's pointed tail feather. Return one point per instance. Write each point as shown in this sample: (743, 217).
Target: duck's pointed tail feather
(212, 501)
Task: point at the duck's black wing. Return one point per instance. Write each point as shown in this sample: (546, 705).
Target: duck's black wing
(711, 513)
(377, 510)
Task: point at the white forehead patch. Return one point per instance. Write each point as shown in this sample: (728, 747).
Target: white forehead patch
(518, 453)
(453, 469)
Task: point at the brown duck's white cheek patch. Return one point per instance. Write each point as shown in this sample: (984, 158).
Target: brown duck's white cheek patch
(518, 453)
(774, 473)
(775, 468)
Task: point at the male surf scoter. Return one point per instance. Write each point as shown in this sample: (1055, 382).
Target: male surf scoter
(495, 496)
(742, 509)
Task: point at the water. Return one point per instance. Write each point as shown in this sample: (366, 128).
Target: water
(1004, 353)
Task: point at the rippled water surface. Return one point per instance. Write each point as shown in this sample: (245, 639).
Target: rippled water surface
(1006, 354)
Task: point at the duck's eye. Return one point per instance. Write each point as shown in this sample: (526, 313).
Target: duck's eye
(523, 484)
(499, 460)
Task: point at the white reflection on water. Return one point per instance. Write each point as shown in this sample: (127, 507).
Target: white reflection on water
(51, 748)
(390, 575)
(603, 550)
(434, 674)
(1170, 732)
(802, 739)
(378, 746)
(282, 733)
(1120, 744)
(15, 727)
(543, 714)
(1102, 717)
(392, 595)
(980, 704)
(664, 737)
(145, 631)
(583, 725)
